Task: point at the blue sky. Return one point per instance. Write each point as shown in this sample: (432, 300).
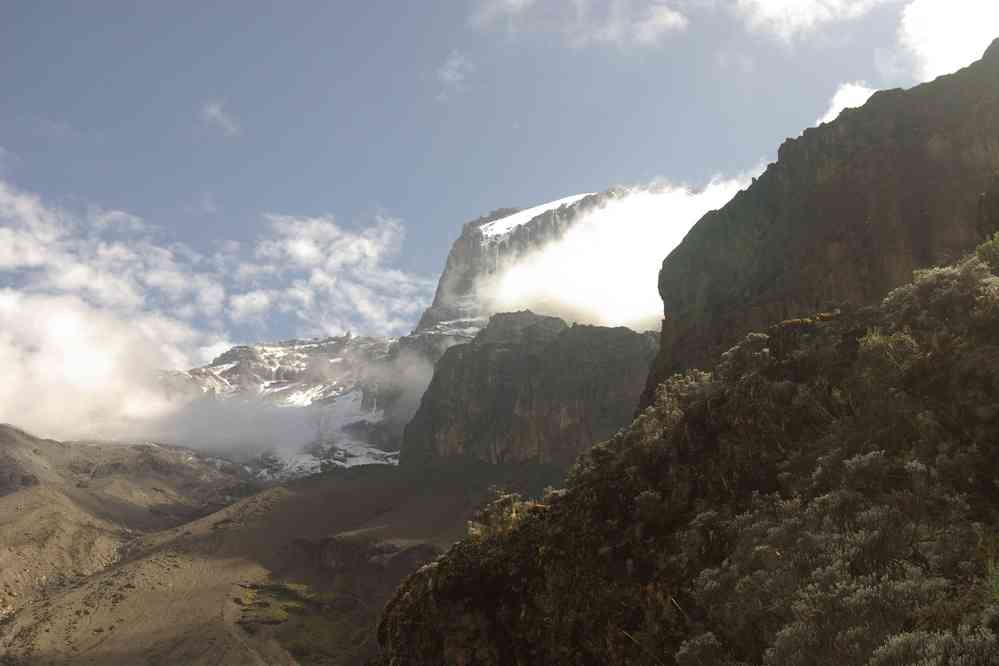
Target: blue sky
(238, 145)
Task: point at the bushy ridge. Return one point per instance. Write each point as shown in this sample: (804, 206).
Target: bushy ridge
(826, 495)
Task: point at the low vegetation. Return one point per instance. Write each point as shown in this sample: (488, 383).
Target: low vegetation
(827, 494)
(326, 628)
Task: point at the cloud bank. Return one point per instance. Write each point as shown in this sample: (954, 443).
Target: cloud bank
(936, 38)
(605, 269)
(790, 19)
(74, 370)
(94, 303)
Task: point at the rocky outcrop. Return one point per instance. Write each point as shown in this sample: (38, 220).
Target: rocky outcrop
(529, 388)
(850, 208)
(825, 495)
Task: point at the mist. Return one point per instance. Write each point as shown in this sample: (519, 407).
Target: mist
(239, 429)
(605, 269)
(73, 371)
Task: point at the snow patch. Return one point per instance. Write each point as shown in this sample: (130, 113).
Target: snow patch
(507, 224)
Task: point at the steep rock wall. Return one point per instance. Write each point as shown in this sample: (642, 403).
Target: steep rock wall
(529, 388)
(909, 180)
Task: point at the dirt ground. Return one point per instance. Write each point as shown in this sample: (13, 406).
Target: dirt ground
(148, 555)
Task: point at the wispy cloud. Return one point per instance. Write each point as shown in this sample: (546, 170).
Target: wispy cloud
(453, 73)
(314, 271)
(333, 278)
(117, 219)
(580, 23)
(847, 96)
(214, 114)
(789, 19)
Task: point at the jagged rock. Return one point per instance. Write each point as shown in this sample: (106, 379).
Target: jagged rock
(529, 388)
(848, 211)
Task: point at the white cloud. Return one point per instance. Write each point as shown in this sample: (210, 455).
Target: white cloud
(847, 96)
(73, 370)
(332, 278)
(453, 73)
(215, 115)
(250, 304)
(605, 269)
(788, 19)
(326, 277)
(937, 37)
(621, 23)
(934, 37)
(106, 258)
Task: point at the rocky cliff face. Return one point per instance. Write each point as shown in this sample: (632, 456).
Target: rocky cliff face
(529, 388)
(846, 213)
(825, 495)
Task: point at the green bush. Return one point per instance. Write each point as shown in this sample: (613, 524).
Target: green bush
(988, 253)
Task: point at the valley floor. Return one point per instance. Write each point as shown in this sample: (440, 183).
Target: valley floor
(94, 572)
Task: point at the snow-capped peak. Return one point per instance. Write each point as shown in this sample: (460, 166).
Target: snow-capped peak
(506, 224)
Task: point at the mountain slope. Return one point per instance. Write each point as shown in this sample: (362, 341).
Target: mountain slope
(909, 180)
(827, 494)
(144, 555)
(73, 508)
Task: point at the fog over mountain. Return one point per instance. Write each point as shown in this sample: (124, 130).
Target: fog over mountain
(600, 270)
(492, 332)
(86, 358)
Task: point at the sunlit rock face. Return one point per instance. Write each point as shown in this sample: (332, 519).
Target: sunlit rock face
(529, 388)
(850, 208)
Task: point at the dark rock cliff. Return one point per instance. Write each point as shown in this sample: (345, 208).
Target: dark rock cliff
(529, 388)
(826, 495)
(909, 180)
